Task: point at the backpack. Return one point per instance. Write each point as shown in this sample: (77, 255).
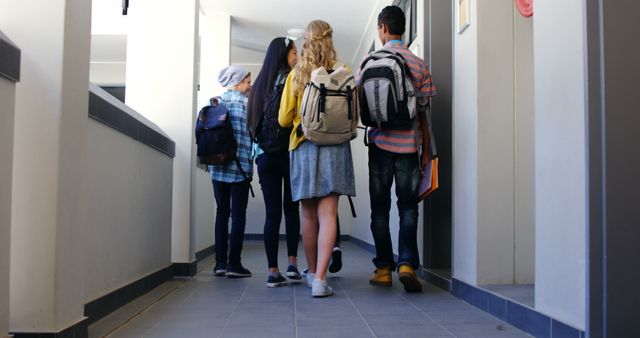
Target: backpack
(269, 135)
(214, 134)
(329, 108)
(387, 94)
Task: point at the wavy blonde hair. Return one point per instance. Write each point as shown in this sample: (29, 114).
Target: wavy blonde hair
(317, 51)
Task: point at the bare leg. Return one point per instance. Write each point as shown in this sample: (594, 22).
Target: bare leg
(310, 232)
(327, 211)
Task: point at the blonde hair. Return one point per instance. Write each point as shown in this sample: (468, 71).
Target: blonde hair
(317, 51)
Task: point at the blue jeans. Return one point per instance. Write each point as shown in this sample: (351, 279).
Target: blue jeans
(231, 200)
(273, 170)
(384, 166)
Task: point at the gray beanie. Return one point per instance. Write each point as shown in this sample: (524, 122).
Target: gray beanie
(231, 76)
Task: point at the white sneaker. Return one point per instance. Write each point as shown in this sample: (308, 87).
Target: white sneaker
(310, 276)
(320, 288)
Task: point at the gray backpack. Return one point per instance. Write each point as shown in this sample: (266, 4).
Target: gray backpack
(329, 108)
(387, 94)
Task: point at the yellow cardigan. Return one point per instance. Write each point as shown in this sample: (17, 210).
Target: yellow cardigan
(288, 116)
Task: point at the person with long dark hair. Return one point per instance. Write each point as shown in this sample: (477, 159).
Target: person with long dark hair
(271, 146)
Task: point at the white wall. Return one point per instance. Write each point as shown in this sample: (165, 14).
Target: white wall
(524, 246)
(7, 111)
(560, 168)
(161, 85)
(215, 54)
(465, 151)
(47, 278)
(204, 210)
(128, 235)
(108, 73)
(215, 39)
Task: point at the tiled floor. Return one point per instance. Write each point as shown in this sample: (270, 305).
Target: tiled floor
(208, 306)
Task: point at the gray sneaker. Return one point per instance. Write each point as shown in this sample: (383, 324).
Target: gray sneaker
(320, 288)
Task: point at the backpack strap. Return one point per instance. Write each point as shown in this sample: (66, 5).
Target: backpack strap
(353, 208)
(432, 138)
(338, 64)
(366, 136)
(245, 176)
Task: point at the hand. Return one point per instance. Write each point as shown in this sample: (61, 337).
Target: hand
(424, 160)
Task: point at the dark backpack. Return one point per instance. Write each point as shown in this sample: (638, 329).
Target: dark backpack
(387, 94)
(214, 134)
(214, 137)
(270, 136)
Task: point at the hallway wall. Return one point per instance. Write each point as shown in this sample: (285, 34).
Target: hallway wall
(129, 184)
(162, 45)
(465, 150)
(7, 111)
(560, 169)
(48, 211)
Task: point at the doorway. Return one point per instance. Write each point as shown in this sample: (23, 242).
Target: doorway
(438, 52)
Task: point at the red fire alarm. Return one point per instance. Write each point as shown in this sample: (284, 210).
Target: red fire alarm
(525, 7)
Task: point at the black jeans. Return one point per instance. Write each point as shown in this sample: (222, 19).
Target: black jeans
(384, 166)
(231, 200)
(273, 170)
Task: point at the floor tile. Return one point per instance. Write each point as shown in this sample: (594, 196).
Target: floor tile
(208, 306)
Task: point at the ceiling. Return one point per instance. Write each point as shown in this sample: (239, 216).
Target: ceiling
(254, 23)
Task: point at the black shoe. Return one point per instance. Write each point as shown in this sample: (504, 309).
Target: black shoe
(336, 260)
(274, 282)
(293, 274)
(237, 271)
(220, 270)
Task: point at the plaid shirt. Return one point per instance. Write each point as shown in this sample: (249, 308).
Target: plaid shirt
(236, 103)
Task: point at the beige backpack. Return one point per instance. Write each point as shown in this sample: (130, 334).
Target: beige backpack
(330, 107)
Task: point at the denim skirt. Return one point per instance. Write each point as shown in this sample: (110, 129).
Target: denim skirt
(317, 171)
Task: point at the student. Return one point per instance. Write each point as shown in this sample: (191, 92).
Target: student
(393, 154)
(319, 174)
(273, 160)
(230, 182)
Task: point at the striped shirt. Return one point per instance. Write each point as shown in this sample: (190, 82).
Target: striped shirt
(404, 141)
(236, 103)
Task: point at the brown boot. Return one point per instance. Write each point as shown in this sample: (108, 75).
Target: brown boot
(409, 279)
(381, 277)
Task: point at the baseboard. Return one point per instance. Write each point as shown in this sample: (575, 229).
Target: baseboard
(437, 280)
(523, 317)
(101, 307)
(206, 252)
(185, 269)
(78, 330)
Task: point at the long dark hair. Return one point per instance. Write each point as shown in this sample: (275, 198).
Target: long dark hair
(275, 61)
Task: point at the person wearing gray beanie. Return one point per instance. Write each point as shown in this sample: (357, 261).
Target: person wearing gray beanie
(232, 76)
(232, 181)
